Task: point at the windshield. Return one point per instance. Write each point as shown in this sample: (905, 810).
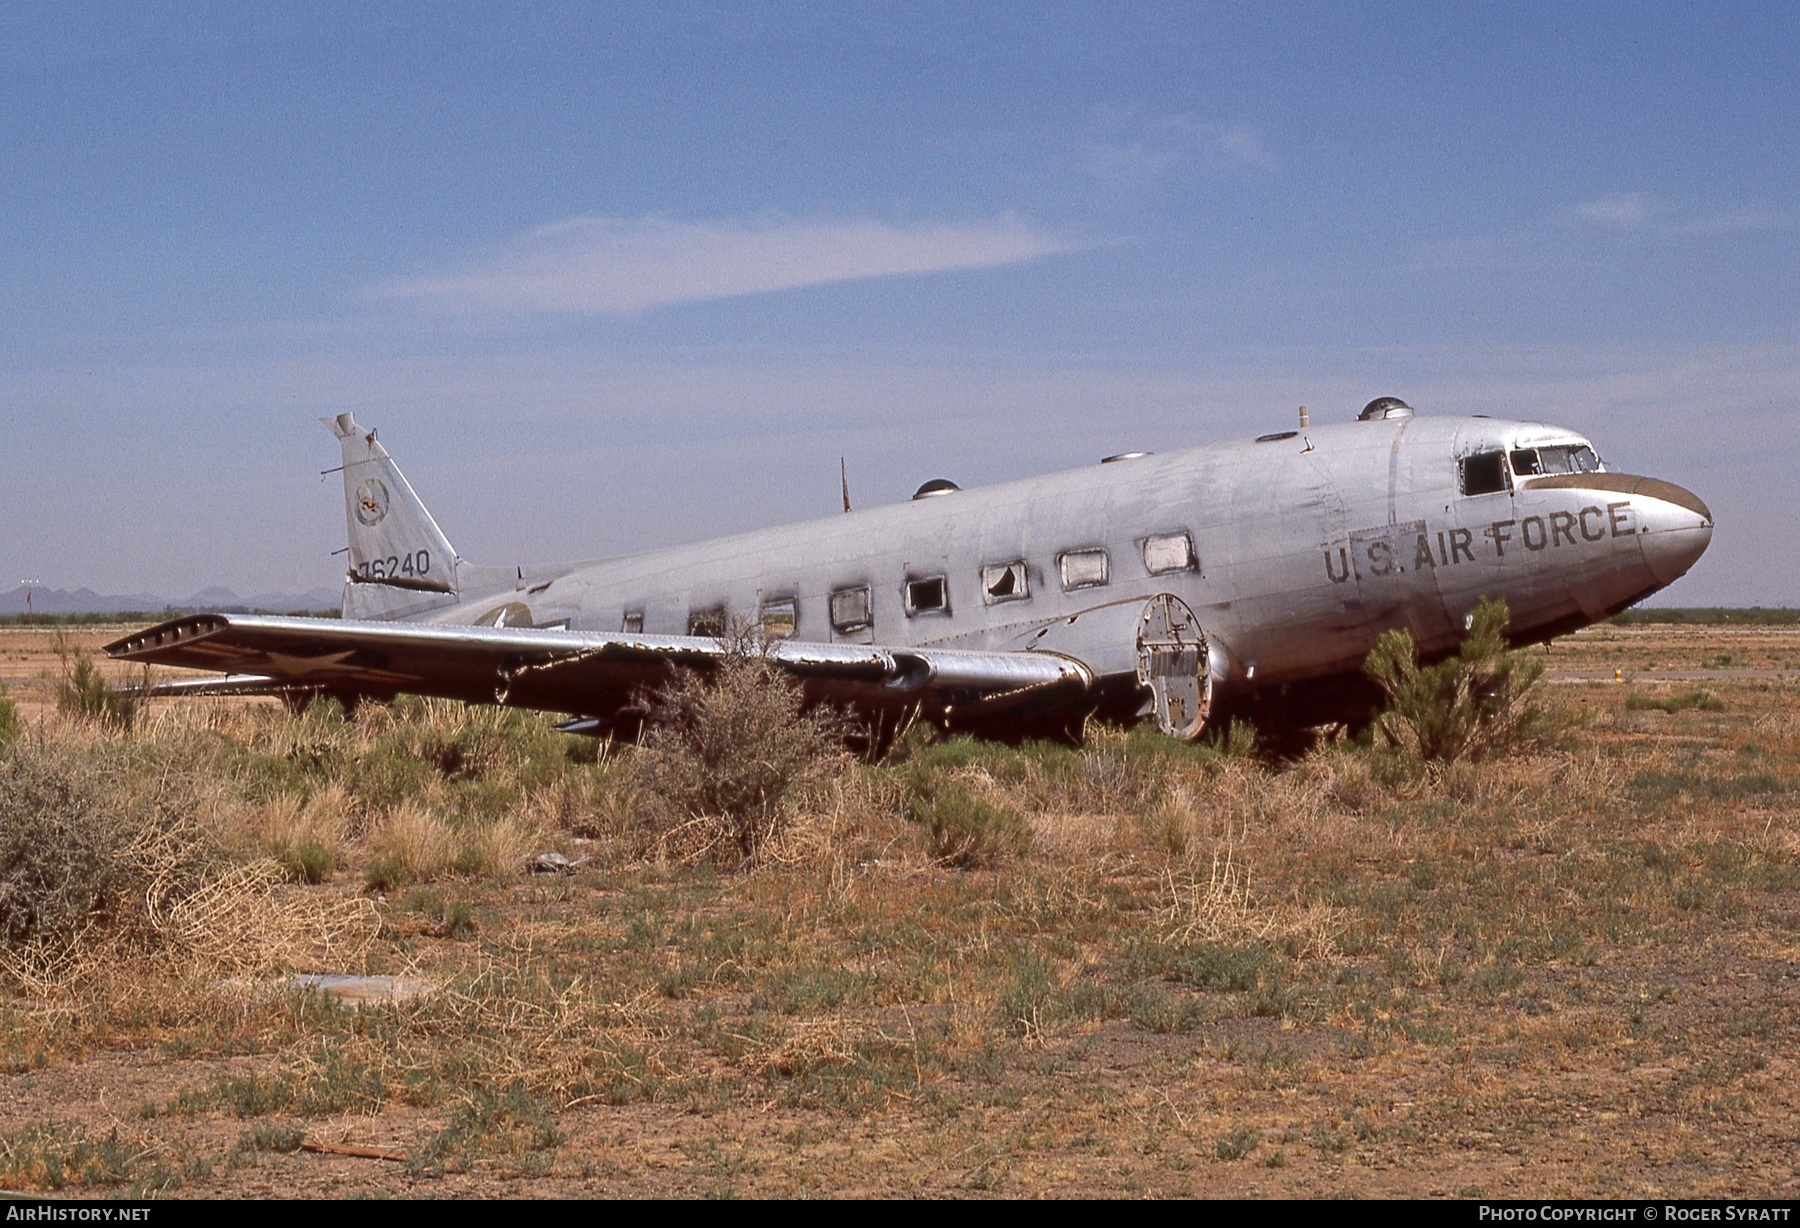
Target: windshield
(1562, 458)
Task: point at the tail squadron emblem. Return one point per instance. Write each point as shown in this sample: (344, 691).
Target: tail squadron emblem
(371, 502)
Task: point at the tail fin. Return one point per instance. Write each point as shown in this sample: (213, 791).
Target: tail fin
(401, 563)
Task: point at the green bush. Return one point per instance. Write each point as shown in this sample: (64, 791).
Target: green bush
(9, 719)
(964, 830)
(84, 693)
(1705, 701)
(307, 861)
(1237, 1144)
(1473, 704)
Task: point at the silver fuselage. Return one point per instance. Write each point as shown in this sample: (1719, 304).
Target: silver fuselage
(1307, 547)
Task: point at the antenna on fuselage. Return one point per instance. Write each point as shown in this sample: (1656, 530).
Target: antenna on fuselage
(844, 477)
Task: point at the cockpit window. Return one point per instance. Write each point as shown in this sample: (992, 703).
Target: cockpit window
(1564, 458)
(1484, 473)
(1574, 459)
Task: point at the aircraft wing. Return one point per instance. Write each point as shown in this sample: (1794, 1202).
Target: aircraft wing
(601, 677)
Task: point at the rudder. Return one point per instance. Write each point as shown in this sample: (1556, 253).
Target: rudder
(401, 564)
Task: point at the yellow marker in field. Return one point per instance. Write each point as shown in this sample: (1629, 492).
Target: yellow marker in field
(1618, 675)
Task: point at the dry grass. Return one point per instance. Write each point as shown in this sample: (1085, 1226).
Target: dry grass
(1558, 972)
(410, 844)
(1222, 909)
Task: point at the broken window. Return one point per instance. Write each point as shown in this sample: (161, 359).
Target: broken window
(927, 596)
(779, 618)
(1083, 568)
(1484, 473)
(850, 609)
(1166, 552)
(1525, 462)
(707, 620)
(1004, 582)
(633, 622)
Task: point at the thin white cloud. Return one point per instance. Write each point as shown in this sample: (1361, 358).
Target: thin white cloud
(1735, 221)
(621, 266)
(1128, 149)
(1642, 211)
(1623, 209)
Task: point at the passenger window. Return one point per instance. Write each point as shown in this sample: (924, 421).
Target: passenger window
(930, 596)
(1484, 473)
(707, 620)
(1004, 582)
(1083, 568)
(633, 622)
(1525, 462)
(779, 618)
(1166, 552)
(850, 609)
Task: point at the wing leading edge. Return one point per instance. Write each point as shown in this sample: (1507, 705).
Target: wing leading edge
(598, 676)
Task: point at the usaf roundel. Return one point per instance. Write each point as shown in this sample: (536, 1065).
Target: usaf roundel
(371, 502)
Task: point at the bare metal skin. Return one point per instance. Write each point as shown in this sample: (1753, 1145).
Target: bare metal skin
(1247, 577)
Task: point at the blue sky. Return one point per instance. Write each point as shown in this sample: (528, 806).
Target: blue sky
(608, 278)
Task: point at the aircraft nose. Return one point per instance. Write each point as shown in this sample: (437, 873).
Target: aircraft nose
(1675, 528)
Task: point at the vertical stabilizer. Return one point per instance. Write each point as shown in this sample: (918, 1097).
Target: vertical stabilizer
(401, 564)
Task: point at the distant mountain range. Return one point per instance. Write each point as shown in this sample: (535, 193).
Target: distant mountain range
(87, 601)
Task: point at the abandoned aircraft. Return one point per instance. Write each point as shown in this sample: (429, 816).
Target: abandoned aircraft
(1243, 578)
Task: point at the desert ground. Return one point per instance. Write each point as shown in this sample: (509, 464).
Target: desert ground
(1570, 968)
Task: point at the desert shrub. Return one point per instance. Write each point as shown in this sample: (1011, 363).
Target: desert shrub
(410, 844)
(1704, 701)
(82, 850)
(307, 862)
(304, 838)
(962, 829)
(84, 693)
(494, 850)
(1475, 703)
(1239, 1143)
(414, 843)
(49, 1156)
(729, 753)
(9, 718)
(1236, 739)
